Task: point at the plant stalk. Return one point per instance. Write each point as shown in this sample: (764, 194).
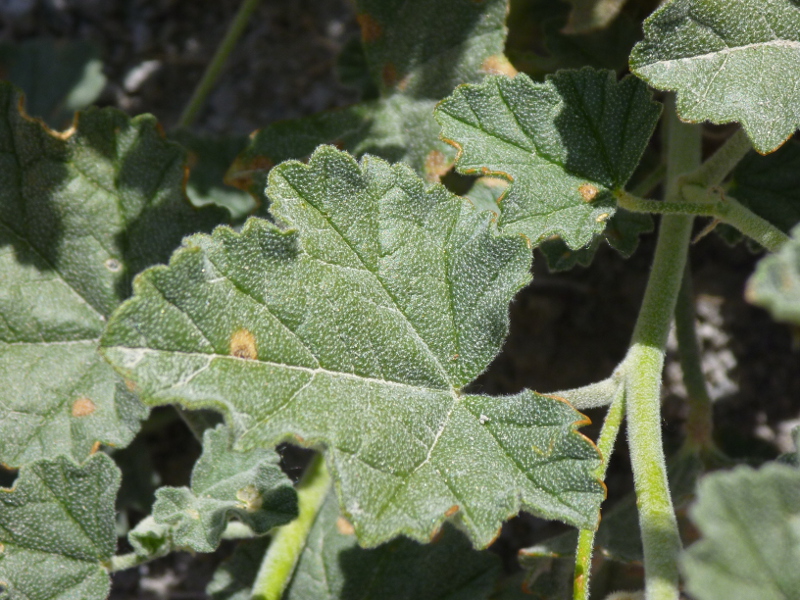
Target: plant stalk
(605, 444)
(288, 542)
(214, 68)
(644, 365)
(699, 422)
(716, 168)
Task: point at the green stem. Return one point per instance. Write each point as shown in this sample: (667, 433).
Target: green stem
(594, 395)
(284, 551)
(699, 419)
(716, 168)
(643, 368)
(605, 444)
(214, 68)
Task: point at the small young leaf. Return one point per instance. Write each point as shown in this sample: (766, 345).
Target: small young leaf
(225, 483)
(565, 145)
(415, 60)
(333, 566)
(728, 61)
(355, 331)
(57, 530)
(776, 282)
(750, 538)
(80, 213)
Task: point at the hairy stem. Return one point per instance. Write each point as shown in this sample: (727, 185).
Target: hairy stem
(605, 443)
(643, 367)
(214, 68)
(699, 420)
(716, 168)
(288, 542)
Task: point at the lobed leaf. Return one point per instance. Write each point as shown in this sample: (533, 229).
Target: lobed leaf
(414, 61)
(355, 331)
(57, 530)
(776, 283)
(728, 61)
(248, 486)
(80, 212)
(749, 523)
(564, 145)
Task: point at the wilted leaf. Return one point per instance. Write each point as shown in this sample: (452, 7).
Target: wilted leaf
(79, 215)
(333, 566)
(749, 523)
(728, 61)
(58, 78)
(776, 282)
(57, 530)
(355, 331)
(248, 486)
(415, 61)
(565, 145)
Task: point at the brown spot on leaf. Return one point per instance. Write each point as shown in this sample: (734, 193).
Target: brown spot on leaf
(436, 165)
(588, 192)
(344, 526)
(389, 75)
(371, 30)
(83, 407)
(130, 385)
(498, 64)
(95, 448)
(240, 174)
(451, 511)
(601, 218)
(243, 345)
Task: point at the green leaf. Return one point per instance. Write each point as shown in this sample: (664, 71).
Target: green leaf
(333, 566)
(355, 331)
(79, 215)
(728, 61)
(770, 185)
(58, 78)
(750, 536)
(415, 61)
(248, 486)
(234, 578)
(565, 145)
(57, 530)
(776, 282)
(209, 159)
(588, 15)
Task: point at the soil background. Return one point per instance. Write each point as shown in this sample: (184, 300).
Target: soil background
(567, 329)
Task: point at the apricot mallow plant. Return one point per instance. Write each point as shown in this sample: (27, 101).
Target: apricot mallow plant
(351, 309)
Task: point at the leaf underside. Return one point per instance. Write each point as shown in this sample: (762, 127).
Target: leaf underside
(414, 61)
(750, 536)
(354, 331)
(565, 145)
(57, 530)
(776, 283)
(79, 214)
(728, 61)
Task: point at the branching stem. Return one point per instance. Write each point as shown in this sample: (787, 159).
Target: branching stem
(716, 168)
(288, 542)
(214, 68)
(605, 443)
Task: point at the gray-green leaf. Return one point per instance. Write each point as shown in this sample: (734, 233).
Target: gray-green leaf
(776, 282)
(57, 530)
(80, 214)
(728, 61)
(226, 483)
(355, 331)
(749, 523)
(565, 145)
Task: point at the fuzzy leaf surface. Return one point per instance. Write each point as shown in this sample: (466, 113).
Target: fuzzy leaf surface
(564, 145)
(776, 283)
(354, 331)
(750, 536)
(414, 62)
(249, 486)
(332, 566)
(57, 530)
(728, 61)
(79, 215)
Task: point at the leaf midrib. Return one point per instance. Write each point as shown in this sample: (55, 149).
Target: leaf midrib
(791, 44)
